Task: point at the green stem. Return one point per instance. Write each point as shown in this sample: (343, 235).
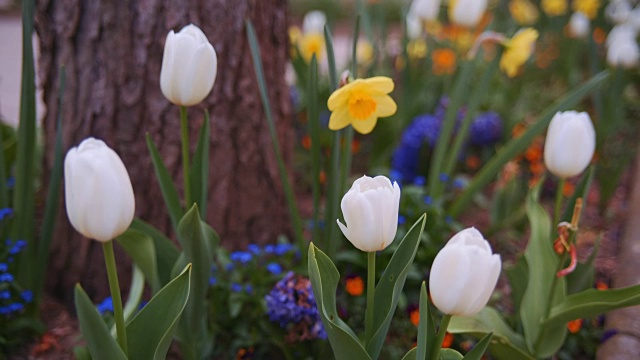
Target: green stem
(184, 128)
(435, 355)
(114, 287)
(371, 288)
(556, 212)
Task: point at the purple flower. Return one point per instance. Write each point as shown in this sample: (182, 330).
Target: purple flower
(105, 306)
(486, 129)
(274, 268)
(242, 257)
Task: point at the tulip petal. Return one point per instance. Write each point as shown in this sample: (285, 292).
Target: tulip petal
(200, 75)
(449, 271)
(359, 218)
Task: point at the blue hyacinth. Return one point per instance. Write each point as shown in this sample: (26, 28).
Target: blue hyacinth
(486, 129)
(424, 129)
(292, 305)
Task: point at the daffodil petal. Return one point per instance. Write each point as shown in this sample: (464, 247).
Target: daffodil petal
(385, 106)
(365, 126)
(381, 84)
(340, 118)
(338, 98)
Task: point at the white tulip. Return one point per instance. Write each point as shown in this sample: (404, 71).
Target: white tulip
(189, 66)
(622, 48)
(427, 10)
(570, 143)
(313, 22)
(414, 26)
(467, 12)
(579, 25)
(617, 11)
(464, 274)
(98, 193)
(370, 210)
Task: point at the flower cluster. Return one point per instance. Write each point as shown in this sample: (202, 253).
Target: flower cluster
(12, 297)
(291, 304)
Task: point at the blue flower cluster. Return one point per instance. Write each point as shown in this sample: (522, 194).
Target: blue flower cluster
(13, 298)
(425, 129)
(106, 305)
(292, 305)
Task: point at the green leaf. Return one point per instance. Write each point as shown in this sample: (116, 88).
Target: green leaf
(313, 116)
(479, 349)
(200, 168)
(505, 344)
(94, 330)
(140, 247)
(195, 238)
(134, 297)
(518, 276)
(331, 58)
(450, 354)
(411, 354)
(543, 265)
(150, 332)
(590, 303)
(519, 144)
(169, 192)
(389, 287)
(324, 280)
(166, 251)
(426, 327)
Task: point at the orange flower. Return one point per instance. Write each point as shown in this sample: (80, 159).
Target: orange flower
(415, 317)
(306, 142)
(444, 61)
(574, 326)
(472, 162)
(355, 286)
(447, 341)
(567, 189)
(601, 285)
(599, 36)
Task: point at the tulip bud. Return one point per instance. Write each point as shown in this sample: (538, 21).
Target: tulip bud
(313, 22)
(467, 12)
(98, 193)
(189, 66)
(426, 10)
(570, 143)
(622, 48)
(370, 210)
(464, 274)
(579, 25)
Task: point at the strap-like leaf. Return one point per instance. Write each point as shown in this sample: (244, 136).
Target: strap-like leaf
(169, 192)
(200, 167)
(426, 327)
(94, 330)
(390, 286)
(324, 280)
(150, 332)
(139, 246)
(478, 350)
(166, 251)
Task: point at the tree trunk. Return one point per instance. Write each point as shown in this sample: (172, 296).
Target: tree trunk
(112, 52)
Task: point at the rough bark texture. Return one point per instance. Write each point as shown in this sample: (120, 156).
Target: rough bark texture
(112, 51)
(625, 344)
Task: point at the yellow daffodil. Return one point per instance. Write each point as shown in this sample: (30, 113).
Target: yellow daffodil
(311, 43)
(523, 12)
(587, 7)
(360, 103)
(554, 7)
(518, 51)
(364, 53)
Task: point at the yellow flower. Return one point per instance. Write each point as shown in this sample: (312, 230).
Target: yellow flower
(417, 49)
(523, 12)
(518, 51)
(360, 103)
(587, 7)
(311, 43)
(554, 7)
(364, 53)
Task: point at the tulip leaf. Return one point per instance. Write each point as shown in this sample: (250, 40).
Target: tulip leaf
(140, 247)
(479, 349)
(517, 145)
(324, 280)
(94, 330)
(590, 303)
(200, 168)
(506, 344)
(150, 332)
(135, 295)
(166, 252)
(411, 354)
(169, 192)
(518, 276)
(543, 265)
(450, 354)
(390, 286)
(426, 327)
(196, 239)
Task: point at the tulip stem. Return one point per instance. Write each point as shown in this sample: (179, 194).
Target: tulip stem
(371, 288)
(556, 212)
(185, 156)
(444, 323)
(114, 287)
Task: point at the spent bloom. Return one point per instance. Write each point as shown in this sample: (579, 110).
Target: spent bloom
(467, 13)
(518, 51)
(360, 103)
(370, 210)
(98, 193)
(464, 274)
(189, 66)
(570, 144)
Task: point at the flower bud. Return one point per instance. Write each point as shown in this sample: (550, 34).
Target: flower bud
(570, 143)
(426, 10)
(189, 66)
(467, 12)
(622, 48)
(370, 210)
(464, 274)
(313, 22)
(98, 193)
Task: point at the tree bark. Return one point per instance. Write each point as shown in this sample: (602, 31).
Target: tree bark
(112, 52)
